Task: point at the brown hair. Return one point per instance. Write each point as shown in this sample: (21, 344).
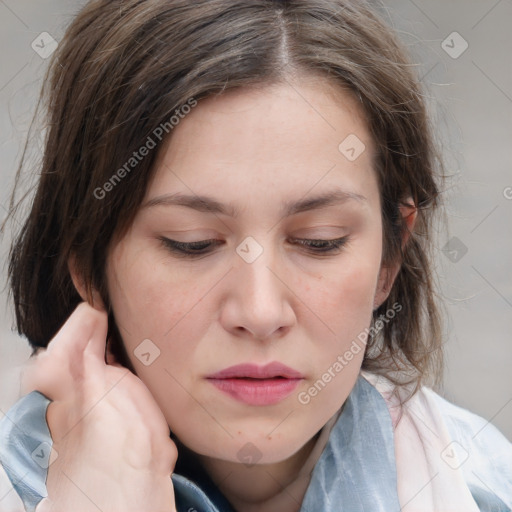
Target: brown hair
(124, 67)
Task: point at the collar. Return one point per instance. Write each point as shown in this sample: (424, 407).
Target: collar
(356, 464)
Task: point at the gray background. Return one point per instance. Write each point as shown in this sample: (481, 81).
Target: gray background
(471, 101)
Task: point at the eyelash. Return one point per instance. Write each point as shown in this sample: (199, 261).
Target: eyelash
(202, 247)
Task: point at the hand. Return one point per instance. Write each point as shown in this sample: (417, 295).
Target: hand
(112, 441)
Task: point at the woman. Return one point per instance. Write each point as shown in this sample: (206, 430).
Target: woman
(229, 251)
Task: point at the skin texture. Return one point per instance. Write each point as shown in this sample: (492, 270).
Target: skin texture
(255, 149)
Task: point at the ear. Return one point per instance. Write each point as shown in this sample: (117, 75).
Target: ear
(95, 301)
(388, 274)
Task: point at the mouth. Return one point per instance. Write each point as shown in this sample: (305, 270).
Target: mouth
(257, 385)
(271, 370)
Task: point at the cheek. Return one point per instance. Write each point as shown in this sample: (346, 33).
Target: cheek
(161, 319)
(345, 292)
(343, 301)
(161, 312)
(148, 296)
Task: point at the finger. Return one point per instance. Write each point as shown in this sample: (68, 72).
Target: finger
(97, 334)
(145, 403)
(52, 371)
(78, 330)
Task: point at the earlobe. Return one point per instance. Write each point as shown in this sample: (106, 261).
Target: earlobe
(387, 277)
(95, 301)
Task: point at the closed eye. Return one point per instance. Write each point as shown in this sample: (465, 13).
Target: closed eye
(204, 247)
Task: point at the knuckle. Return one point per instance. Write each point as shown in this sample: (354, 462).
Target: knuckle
(172, 450)
(167, 455)
(89, 315)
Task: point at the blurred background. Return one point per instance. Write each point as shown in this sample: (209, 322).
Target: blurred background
(462, 49)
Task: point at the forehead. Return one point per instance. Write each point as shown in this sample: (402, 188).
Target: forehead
(269, 143)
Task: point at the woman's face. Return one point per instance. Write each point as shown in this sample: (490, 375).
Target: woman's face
(257, 294)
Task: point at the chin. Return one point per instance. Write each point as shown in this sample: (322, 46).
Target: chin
(248, 449)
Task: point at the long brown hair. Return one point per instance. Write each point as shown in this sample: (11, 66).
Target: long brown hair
(124, 67)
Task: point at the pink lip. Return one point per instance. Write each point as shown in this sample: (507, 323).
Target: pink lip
(257, 385)
(253, 371)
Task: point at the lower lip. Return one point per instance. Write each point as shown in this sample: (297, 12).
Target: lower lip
(257, 391)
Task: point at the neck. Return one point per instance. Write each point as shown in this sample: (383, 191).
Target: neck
(262, 487)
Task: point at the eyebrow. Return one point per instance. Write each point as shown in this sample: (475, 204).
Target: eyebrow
(208, 204)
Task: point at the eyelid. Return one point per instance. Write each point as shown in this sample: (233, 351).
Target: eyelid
(314, 246)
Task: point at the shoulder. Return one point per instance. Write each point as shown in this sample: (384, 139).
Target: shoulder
(466, 425)
(464, 442)
(484, 453)
(477, 440)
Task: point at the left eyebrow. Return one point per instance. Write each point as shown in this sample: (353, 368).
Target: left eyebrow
(209, 204)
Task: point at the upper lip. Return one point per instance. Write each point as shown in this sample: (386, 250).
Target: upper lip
(253, 371)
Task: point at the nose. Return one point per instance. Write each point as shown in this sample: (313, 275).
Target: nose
(259, 301)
